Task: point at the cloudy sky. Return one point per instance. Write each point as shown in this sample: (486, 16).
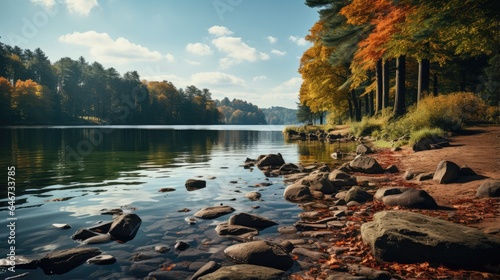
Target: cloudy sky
(247, 49)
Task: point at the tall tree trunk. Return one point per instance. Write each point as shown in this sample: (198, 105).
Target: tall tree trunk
(367, 105)
(357, 110)
(380, 85)
(423, 78)
(435, 85)
(321, 115)
(385, 84)
(351, 115)
(399, 100)
(371, 103)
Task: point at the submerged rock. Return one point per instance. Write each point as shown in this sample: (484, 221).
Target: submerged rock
(125, 227)
(244, 272)
(195, 184)
(260, 253)
(214, 212)
(271, 160)
(102, 260)
(250, 220)
(60, 262)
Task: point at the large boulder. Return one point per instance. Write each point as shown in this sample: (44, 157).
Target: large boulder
(366, 164)
(357, 194)
(195, 184)
(362, 149)
(405, 197)
(319, 182)
(489, 189)
(214, 212)
(249, 220)
(272, 160)
(60, 262)
(244, 272)
(423, 144)
(407, 237)
(125, 227)
(297, 192)
(446, 172)
(260, 253)
(209, 267)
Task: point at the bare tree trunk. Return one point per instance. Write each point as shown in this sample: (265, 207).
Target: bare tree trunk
(380, 85)
(423, 78)
(357, 110)
(385, 84)
(399, 100)
(371, 103)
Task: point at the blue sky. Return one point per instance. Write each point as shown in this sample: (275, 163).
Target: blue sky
(246, 49)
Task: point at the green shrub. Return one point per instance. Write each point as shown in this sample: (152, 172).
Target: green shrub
(366, 127)
(416, 136)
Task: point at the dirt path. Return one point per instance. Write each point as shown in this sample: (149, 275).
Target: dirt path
(477, 148)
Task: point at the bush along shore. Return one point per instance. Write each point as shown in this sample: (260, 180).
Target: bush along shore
(366, 219)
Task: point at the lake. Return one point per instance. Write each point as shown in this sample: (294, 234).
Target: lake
(67, 174)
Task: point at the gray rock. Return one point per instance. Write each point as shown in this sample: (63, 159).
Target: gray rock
(407, 237)
(425, 176)
(244, 272)
(319, 182)
(195, 184)
(338, 175)
(101, 228)
(271, 160)
(209, 267)
(423, 144)
(362, 149)
(249, 220)
(181, 245)
(83, 234)
(467, 171)
(125, 227)
(366, 164)
(226, 229)
(260, 253)
(214, 212)
(102, 260)
(60, 262)
(357, 194)
(368, 272)
(446, 172)
(61, 226)
(168, 275)
(297, 192)
(406, 197)
(489, 189)
(98, 239)
(392, 169)
(253, 195)
(289, 168)
(313, 255)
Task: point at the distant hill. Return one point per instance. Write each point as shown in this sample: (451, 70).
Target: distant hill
(280, 115)
(239, 111)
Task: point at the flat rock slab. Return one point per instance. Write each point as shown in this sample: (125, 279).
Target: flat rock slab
(60, 262)
(226, 229)
(244, 272)
(406, 197)
(250, 220)
(260, 253)
(407, 237)
(214, 212)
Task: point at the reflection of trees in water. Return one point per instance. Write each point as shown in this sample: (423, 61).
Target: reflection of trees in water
(320, 151)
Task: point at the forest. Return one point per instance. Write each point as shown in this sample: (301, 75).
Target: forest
(369, 57)
(34, 91)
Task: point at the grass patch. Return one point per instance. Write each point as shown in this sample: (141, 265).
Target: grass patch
(308, 128)
(425, 133)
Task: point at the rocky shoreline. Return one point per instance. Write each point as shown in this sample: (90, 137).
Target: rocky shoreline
(363, 220)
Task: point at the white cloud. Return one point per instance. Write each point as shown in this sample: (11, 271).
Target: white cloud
(237, 51)
(272, 39)
(216, 78)
(46, 3)
(219, 31)
(291, 85)
(259, 78)
(80, 7)
(106, 50)
(298, 40)
(199, 48)
(192, 62)
(277, 52)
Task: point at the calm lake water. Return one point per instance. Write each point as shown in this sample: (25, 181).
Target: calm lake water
(70, 174)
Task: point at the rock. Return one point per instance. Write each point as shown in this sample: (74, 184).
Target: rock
(318, 182)
(313, 255)
(98, 239)
(195, 184)
(338, 175)
(297, 192)
(102, 260)
(181, 245)
(405, 197)
(83, 234)
(166, 275)
(489, 189)
(407, 237)
(101, 228)
(362, 149)
(410, 174)
(214, 212)
(272, 160)
(226, 229)
(249, 220)
(244, 272)
(289, 168)
(60, 262)
(423, 144)
(396, 149)
(253, 195)
(161, 249)
(115, 211)
(368, 272)
(260, 253)
(125, 227)
(467, 171)
(62, 226)
(366, 164)
(190, 220)
(166, 190)
(446, 172)
(425, 176)
(209, 267)
(392, 169)
(357, 194)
